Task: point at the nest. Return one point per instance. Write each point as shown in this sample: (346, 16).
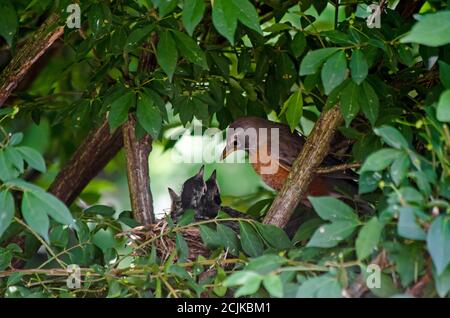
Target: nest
(163, 238)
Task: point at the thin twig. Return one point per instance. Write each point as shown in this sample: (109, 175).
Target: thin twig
(345, 166)
(49, 249)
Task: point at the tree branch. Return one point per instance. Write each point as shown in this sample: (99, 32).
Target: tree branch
(32, 50)
(137, 152)
(313, 152)
(99, 147)
(345, 166)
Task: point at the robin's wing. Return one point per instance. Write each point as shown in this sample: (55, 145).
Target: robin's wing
(290, 146)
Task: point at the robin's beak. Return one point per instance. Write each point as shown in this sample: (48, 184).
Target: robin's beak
(226, 152)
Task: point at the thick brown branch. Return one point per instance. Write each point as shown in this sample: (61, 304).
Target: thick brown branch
(316, 148)
(90, 158)
(35, 47)
(137, 152)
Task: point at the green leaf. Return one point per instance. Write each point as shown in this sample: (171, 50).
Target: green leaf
(431, 30)
(273, 285)
(35, 216)
(225, 16)
(6, 210)
(334, 71)
(407, 226)
(166, 6)
(166, 53)
(182, 248)
(443, 107)
(138, 36)
(247, 15)
(380, 159)
(7, 171)
(186, 110)
(314, 60)
(332, 209)
(306, 230)
(119, 110)
(444, 74)
(193, 11)
(209, 237)
(442, 282)
(399, 168)
(148, 115)
(359, 67)
(438, 243)
(51, 205)
(325, 286)
(228, 238)
(189, 49)
(250, 241)
(368, 238)
(16, 158)
(249, 280)
(350, 102)
(274, 236)
(16, 139)
(103, 210)
(294, 109)
(9, 23)
(266, 263)
(329, 235)
(391, 136)
(33, 158)
(370, 103)
(298, 44)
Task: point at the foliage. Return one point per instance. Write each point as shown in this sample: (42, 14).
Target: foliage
(217, 61)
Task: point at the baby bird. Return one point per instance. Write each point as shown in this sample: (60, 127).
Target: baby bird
(193, 190)
(210, 203)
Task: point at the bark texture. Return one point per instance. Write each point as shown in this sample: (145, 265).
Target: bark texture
(36, 46)
(99, 147)
(313, 152)
(137, 152)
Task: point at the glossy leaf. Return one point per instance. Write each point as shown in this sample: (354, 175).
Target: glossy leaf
(368, 238)
(9, 24)
(148, 115)
(32, 157)
(189, 49)
(250, 240)
(438, 243)
(443, 107)
(380, 159)
(119, 110)
(293, 108)
(392, 136)
(350, 102)
(359, 67)
(314, 60)
(35, 215)
(6, 210)
(193, 11)
(334, 71)
(431, 30)
(167, 54)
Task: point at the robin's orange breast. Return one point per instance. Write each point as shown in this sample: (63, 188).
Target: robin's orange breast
(318, 187)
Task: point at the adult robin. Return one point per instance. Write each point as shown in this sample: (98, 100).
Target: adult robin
(271, 144)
